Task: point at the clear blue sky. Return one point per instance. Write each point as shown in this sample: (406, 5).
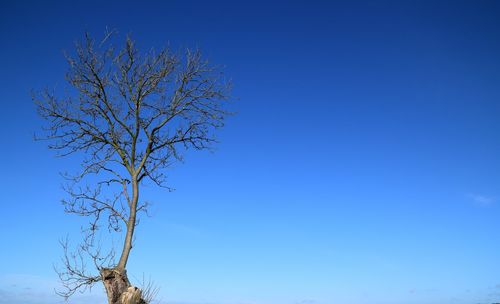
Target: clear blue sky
(363, 165)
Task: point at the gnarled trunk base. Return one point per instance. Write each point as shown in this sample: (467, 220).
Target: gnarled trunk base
(119, 289)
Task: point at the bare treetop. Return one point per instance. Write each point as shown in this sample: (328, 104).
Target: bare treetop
(134, 109)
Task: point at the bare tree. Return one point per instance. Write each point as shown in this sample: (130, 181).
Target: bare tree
(131, 116)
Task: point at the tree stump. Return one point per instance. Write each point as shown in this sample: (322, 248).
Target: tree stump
(118, 288)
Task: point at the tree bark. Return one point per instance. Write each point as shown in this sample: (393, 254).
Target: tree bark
(118, 288)
(115, 280)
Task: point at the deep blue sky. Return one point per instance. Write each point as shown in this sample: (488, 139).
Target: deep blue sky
(362, 166)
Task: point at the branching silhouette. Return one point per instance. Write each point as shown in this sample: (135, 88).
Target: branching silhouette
(132, 116)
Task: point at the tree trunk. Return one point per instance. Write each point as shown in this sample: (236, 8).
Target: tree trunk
(127, 244)
(118, 288)
(116, 283)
